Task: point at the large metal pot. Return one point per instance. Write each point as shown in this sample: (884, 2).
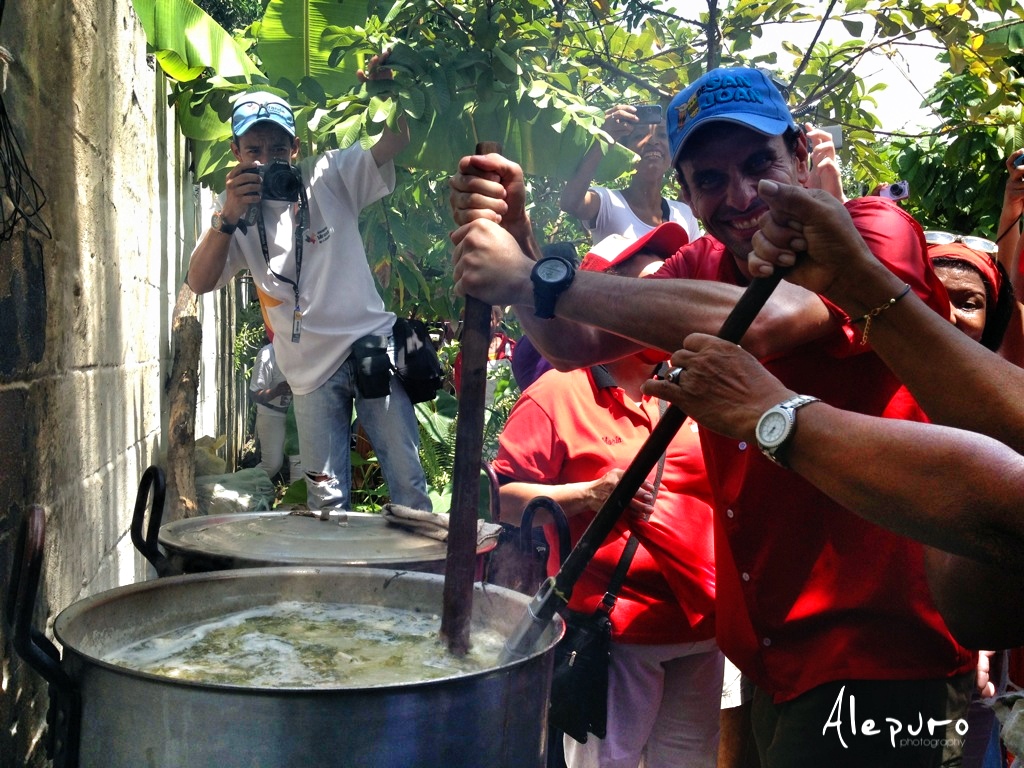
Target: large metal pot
(105, 716)
(258, 539)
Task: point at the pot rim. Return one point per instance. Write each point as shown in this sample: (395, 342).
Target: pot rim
(278, 538)
(64, 622)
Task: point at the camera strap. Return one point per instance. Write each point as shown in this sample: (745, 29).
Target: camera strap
(301, 225)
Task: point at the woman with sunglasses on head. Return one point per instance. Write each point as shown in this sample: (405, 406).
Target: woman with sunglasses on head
(982, 301)
(983, 306)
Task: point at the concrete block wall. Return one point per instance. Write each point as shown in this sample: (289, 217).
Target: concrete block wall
(85, 314)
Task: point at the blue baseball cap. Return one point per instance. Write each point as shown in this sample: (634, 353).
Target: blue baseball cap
(731, 94)
(261, 107)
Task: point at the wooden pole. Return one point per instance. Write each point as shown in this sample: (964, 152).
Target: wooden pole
(460, 565)
(182, 392)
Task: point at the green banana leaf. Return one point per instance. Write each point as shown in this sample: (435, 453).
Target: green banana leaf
(186, 41)
(288, 42)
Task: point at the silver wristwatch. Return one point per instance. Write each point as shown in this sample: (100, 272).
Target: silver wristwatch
(777, 424)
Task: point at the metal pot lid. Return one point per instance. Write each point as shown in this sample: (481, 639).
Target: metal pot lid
(288, 539)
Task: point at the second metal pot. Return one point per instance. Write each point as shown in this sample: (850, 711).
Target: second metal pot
(108, 716)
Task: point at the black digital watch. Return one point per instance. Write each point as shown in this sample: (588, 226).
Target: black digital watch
(551, 276)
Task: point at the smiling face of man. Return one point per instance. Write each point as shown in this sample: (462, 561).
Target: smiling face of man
(719, 172)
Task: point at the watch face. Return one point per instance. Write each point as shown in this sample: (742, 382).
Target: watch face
(552, 270)
(215, 221)
(772, 428)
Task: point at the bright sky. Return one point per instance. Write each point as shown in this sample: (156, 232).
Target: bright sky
(908, 75)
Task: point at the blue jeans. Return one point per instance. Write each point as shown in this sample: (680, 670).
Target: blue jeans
(324, 422)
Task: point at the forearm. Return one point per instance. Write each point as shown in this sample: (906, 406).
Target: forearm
(1008, 236)
(265, 396)
(573, 498)
(207, 263)
(1016, 276)
(568, 345)
(574, 196)
(928, 354)
(391, 143)
(627, 314)
(1008, 232)
(955, 490)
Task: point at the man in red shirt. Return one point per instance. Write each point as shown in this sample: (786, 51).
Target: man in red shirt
(829, 615)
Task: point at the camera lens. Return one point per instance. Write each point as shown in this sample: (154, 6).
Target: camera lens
(280, 182)
(898, 189)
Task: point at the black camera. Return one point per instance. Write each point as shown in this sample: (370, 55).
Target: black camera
(281, 181)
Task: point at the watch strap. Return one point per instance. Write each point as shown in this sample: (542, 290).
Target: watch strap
(790, 407)
(545, 295)
(223, 226)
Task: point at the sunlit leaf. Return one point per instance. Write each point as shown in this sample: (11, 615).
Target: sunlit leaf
(187, 41)
(289, 42)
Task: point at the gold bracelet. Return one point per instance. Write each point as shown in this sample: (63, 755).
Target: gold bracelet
(866, 319)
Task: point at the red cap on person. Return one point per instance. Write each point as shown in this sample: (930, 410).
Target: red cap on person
(665, 240)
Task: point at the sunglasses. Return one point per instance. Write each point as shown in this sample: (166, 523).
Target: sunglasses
(974, 243)
(247, 109)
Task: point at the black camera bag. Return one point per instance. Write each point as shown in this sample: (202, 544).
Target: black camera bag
(416, 363)
(373, 366)
(579, 682)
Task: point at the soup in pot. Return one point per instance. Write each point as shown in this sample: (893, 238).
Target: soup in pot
(300, 644)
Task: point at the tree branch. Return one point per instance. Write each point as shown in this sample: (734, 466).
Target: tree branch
(814, 41)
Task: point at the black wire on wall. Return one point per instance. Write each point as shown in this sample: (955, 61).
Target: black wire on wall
(21, 197)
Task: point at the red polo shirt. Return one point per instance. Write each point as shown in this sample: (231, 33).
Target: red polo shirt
(569, 428)
(808, 591)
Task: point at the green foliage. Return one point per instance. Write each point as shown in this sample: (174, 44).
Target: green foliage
(232, 14)
(187, 42)
(288, 44)
(958, 174)
(537, 77)
(249, 338)
(506, 393)
(437, 421)
(294, 495)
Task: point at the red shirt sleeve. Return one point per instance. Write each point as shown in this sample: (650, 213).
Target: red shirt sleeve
(530, 449)
(896, 240)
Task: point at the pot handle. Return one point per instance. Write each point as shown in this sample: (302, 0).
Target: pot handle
(561, 525)
(31, 644)
(64, 715)
(148, 544)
